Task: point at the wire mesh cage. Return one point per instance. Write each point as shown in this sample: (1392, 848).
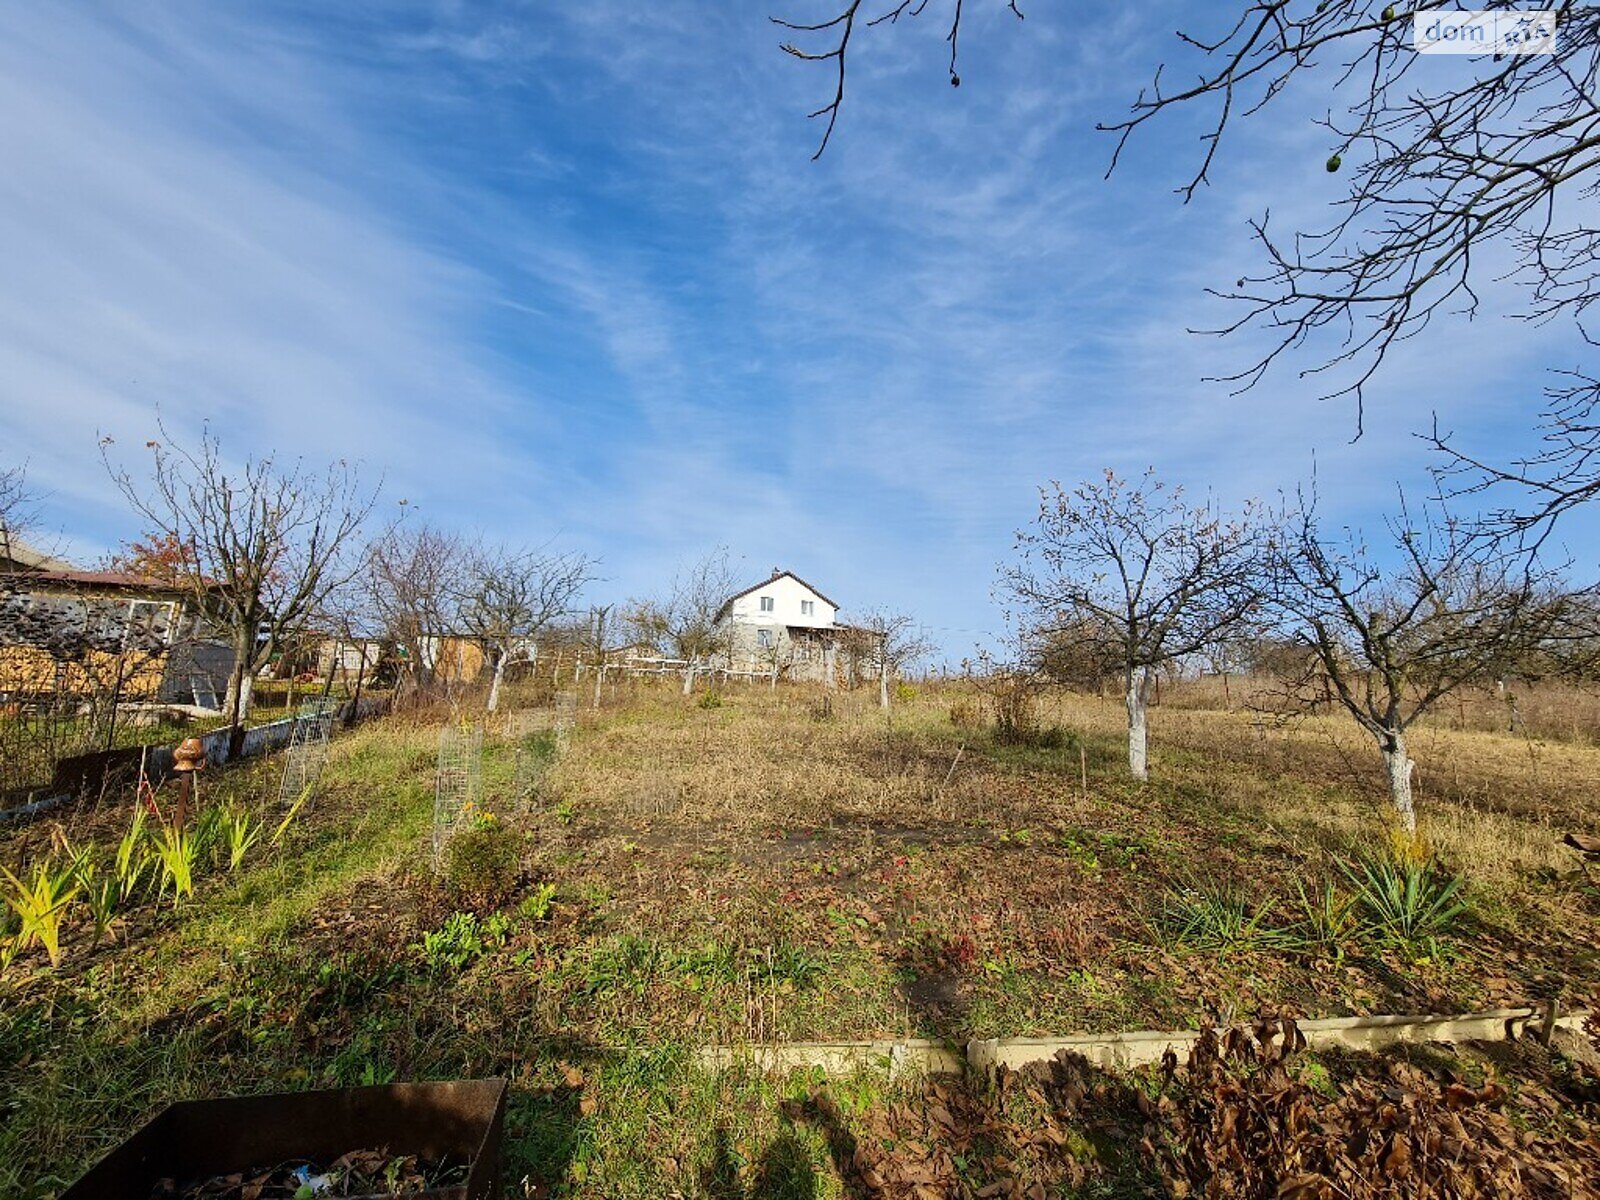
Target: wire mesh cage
(458, 783)
(308, 750)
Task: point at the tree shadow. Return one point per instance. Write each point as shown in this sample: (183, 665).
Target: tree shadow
(785, 1171)
(545, 1125)
(1062, 1127)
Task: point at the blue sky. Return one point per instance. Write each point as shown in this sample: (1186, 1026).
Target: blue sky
(568, 271)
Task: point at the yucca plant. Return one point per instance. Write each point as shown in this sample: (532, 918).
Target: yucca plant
(42, 906)
(1219, 917)
(240, 833)
(1406, 901)
(175, 851)
(1327, 917)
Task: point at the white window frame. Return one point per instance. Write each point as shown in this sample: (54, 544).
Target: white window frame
(768, 604)
(166, 620)
(764, 638)
(808, 608)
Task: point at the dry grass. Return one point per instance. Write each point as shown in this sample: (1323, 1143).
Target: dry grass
(780, 866)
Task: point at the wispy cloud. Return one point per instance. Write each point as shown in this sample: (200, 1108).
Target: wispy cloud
(571, 272)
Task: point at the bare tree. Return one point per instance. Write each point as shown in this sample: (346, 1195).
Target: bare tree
(268, 543)
(894, 643)
(412, 585)
(686, 622)
(595, 642)
(509, 595)
(17, 511)
(1390, 641)
(1445, 168)
(1442, 167)
(776, 654)
(1135, 563)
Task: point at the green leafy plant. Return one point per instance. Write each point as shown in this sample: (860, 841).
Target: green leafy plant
(1327, 917)
(100, 889)
(1216, 917)
(240, 833)
(1406, 902)
(565, 812)
(711, 699)
(536, 904)
(209, 833)
(463, 939)
(133, 859)
(794, 965)
(175, 852)
(42, 906)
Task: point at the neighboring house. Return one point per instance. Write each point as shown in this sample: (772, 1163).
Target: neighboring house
(785, 625)
(69, 632)
(16, 555)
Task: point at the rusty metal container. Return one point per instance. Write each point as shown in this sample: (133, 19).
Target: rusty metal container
(197, 1139)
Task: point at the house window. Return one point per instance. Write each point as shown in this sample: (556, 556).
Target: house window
(764, 638)
(766, 604)
(807, 607)
(150, 624)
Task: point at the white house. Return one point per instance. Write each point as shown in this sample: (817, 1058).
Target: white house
(785, 625)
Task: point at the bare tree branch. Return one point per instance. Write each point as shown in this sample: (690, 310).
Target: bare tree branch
(841, 28)
(1441, 173)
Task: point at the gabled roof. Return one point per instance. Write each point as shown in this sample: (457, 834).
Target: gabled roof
(19, 552)
(767, 582)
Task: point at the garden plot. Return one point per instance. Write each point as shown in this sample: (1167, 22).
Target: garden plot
(765, 869)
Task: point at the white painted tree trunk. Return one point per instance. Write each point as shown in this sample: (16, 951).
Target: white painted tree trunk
(494, 684)
(688, 676)
(241, 685)
(599, 682)
(883, 683)
(830, 667)
(1138, 726)
(1400, 768)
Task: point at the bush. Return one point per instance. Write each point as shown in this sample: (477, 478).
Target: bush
(482, 864)
(712, 699)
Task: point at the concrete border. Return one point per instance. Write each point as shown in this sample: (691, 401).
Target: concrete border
(1121, 1050)
(916, 1056)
